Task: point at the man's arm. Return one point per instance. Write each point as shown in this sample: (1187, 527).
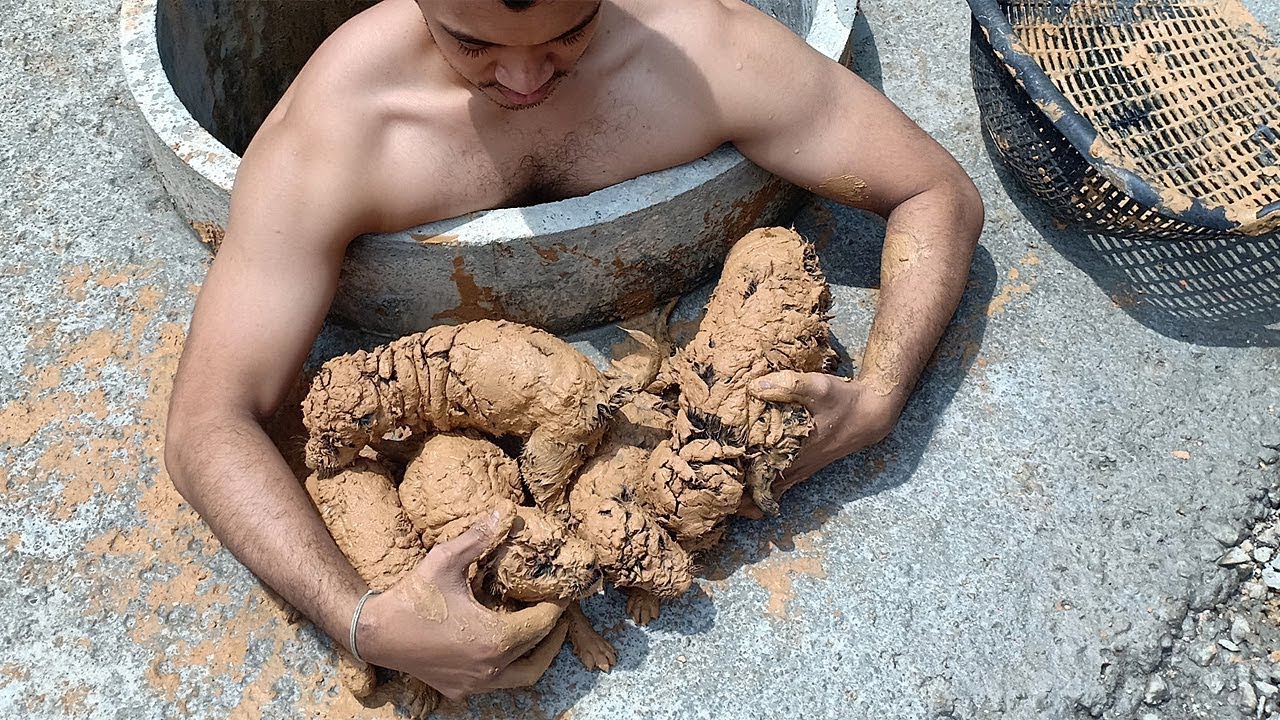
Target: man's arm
(811, 121)
(297, 202)
(259, 310)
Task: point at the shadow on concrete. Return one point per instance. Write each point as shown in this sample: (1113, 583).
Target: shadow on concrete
(690, 614)
(852, 259)
(865, 60)
(1223, 292)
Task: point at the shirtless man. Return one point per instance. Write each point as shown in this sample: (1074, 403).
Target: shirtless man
(418, 110)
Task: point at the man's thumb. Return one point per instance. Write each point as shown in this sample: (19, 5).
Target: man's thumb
(784, 386)
(485, 533)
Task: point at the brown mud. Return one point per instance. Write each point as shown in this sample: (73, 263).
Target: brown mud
(494, 376)
(768, 313)
(622, 476)
(846, 189)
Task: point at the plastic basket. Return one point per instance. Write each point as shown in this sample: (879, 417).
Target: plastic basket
(1152, 119)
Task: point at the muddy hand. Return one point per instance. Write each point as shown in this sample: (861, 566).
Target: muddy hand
(429, 624)
(847, 417)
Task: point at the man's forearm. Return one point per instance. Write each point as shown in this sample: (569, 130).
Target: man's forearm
(924, 267)
(231, 473)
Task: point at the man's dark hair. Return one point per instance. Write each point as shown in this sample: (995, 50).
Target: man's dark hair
(518, 5)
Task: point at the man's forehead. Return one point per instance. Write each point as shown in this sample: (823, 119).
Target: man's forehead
(495, 23)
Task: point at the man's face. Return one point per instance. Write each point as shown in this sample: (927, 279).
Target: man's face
(514, 57)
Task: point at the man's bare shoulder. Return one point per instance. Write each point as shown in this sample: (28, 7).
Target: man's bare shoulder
(348, 109)
(706, 29)
(754, 66)
(373, 52)
(739, 52)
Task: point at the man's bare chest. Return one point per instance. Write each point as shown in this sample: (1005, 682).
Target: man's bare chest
(543, 165)
(462, 168)
(601, 150)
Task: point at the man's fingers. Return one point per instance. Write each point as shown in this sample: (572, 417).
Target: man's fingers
(489, 530)
(522, 629)
(526, 671)
(787, 386)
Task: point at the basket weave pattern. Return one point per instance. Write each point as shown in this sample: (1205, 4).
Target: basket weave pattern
(1184, 95)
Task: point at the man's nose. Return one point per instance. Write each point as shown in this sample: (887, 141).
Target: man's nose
(525, 73)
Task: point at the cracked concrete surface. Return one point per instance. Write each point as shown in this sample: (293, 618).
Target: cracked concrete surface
(1038, 536)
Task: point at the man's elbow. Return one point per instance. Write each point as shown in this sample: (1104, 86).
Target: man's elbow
(191, 435)
(178, 439)
(201, 436)
(950, 200)
(967, 204)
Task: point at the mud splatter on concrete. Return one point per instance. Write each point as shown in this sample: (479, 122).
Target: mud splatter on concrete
(85, 434)
(1018, 281)
(435, 239)
(475, 302)
(210, 233)
(777, 573)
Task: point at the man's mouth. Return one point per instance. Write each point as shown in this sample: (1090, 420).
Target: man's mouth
(532, 98)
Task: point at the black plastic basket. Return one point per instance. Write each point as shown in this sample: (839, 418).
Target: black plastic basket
(1151, 119)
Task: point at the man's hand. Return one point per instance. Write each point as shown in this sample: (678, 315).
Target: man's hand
(429, 624)
(848, 415)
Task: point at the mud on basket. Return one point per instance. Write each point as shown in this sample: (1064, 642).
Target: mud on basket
(1147, 119)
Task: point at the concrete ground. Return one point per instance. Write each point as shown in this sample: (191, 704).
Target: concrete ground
(1038, 539)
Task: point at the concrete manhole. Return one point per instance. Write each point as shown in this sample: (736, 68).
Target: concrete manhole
(206, 72)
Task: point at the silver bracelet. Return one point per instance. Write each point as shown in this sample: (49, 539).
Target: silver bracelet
(355, 620)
